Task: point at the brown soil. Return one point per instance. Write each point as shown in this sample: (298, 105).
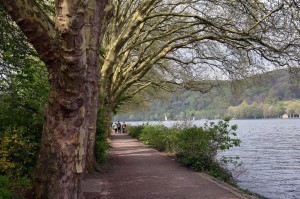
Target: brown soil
(136, 171)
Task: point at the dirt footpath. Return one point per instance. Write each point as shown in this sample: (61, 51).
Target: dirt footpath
(136, 171)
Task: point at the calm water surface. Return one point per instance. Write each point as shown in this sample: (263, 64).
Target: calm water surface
(270, 152)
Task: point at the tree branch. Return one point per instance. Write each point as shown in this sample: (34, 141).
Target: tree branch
(36, 25)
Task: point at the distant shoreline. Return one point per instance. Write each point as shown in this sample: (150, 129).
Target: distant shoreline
(161, 121)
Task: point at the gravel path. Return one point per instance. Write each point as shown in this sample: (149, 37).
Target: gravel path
(136, 171)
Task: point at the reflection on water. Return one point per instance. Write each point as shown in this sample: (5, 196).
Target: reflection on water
(270, 152)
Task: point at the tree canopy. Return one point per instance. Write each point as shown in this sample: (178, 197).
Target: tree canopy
(186, 43)
(99, 54)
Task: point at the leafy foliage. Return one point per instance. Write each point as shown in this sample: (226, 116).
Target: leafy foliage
(154, 136)
(135, 131)
(23, 82)
(101, 147)
(5, 193)
(101, 144)
(194, 147)
(13, 188)
(197, 147)
(17, 153)
(23, 95)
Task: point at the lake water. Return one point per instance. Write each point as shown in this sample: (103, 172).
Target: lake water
(270, 153)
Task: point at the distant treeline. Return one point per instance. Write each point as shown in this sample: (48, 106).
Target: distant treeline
(265, 96)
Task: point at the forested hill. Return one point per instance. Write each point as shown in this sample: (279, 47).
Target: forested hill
(269, 95)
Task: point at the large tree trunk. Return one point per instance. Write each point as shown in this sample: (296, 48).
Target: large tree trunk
(69, 47)
(61, 159)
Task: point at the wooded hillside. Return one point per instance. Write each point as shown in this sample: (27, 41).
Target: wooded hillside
(263, 96)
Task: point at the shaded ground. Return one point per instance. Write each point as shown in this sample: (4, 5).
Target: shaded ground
(136, 171)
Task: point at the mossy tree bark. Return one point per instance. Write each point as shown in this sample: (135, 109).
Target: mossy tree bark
(69, 46)
(105, 112)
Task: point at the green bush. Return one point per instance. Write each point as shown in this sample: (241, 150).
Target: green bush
(17, 153)
(21, 183)
(135, 131)
(192, 144)
(219, 171)
(195, 147)
(101, 152)
(154, 136)
(169, 138)
(5, 193)
(222, 135)
(158, 136)
(13, 188)
(101, 146)
(102, 132)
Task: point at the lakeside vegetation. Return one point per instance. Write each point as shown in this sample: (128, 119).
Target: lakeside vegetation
(270, 95)
(194, 147)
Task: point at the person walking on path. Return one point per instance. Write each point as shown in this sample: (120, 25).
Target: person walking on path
(115, 127)
(119, 127)
(123, 127)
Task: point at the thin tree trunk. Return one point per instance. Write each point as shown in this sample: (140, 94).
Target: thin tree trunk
(99, 21)
(104, 118)
(93, 27)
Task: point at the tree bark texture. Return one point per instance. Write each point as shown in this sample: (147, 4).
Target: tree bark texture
(70, 49)
(93, 76)
(105, 111)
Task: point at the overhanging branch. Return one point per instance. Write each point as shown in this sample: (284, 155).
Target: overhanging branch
(36, 25)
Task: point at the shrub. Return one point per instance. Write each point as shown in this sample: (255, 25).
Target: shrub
(198, 147)
(17, 153)
(222, 135)
(195, 147)
(158, 136)
(169, 138)
(219, 171)
(101, 152)
(13, 188)
(135, 131)
(154, 136)
(101, 146)
(5, 193)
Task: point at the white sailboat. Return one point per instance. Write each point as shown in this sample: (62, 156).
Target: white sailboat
(166, 119)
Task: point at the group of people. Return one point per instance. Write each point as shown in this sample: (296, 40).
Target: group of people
(119, 128)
